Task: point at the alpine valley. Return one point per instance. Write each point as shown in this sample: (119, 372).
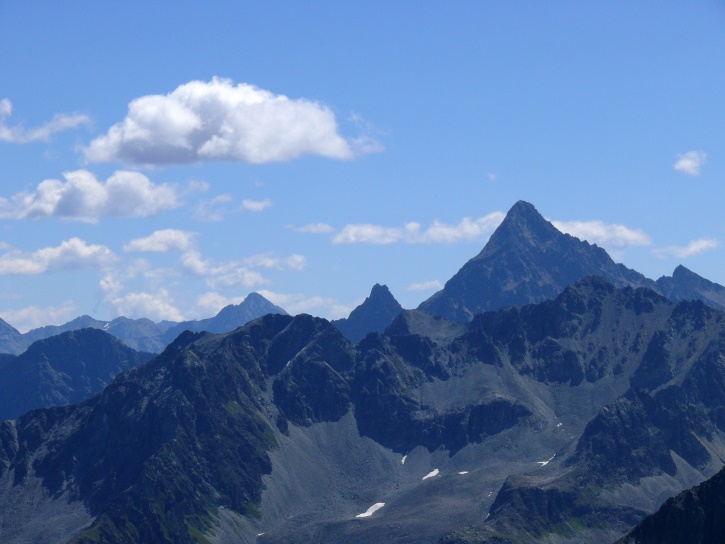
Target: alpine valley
(545, 394)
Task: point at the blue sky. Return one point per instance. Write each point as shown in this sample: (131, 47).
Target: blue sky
(162, 160)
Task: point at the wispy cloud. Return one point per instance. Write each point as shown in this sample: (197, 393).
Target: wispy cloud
(162, 241)
(213, 209)
(256, 205)
(71, 254)
(220, 121)
(683, 252)
(691, 163)
(82, 197)
(432, 285)
(413, 233)
(297, 303)
(610, 236)
(32, 317)
(20, 135)
(316, 228)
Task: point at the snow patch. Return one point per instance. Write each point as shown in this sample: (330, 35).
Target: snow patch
(106, 326)
(544, 463)
(559, 424)
(431, 474)
(463, 472)
(370, 511)
(402, 461)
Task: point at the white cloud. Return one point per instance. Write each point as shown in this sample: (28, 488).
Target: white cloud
(256, 205)
(33, 317)
(298, 303)
(693, 248)
(269, 260)
(209, 304)
(213, 209)
(155, 306)
(71, 254)
(691, 163)
(316, 228)
(220, 275)
(433, 285)
(220, 121)
(82, 197)
(162, 241)
(411, 233)
(609, 236)
(20, 135)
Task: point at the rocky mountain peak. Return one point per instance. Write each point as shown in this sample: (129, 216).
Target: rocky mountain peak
(523, 226)
(526, 260)
(373, 315)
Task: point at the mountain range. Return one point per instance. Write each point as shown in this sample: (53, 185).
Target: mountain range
(143, 334)
(506, 409)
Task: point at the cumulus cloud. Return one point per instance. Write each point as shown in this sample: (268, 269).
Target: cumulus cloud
(71, 254)
(683, 252)
(256, 205)
(220, 121)
(413, 233)
(20, 135)
(220, 275)
(691, 163)
(610, 236)
(316, 228)
(432, 285)
(155, 306)
(32, 317)
(83, 197)
(162, 241)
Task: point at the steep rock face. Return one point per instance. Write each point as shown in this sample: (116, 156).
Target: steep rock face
(695, 516)
(526, 260)
(686, 285)
(664, 432)
(229, 318)
(373, 315)
(63, 369)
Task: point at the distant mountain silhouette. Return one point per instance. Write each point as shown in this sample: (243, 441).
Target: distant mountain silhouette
(63, 369)
(686, 285)
(11, 341)
(527, 260)
(229, 318)
(373, 315)
(143, 334)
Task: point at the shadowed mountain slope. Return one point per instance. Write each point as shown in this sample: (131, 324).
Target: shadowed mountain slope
(373, 315)
(63, 369)
(11, 341)
(694, 516)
